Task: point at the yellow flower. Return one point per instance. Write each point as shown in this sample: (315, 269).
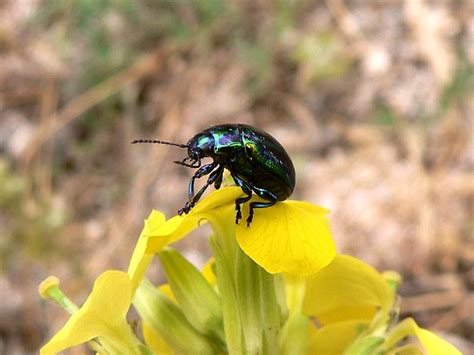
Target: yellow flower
(347, 289)
(292, 236)
(237, 304)
(354, 304)
(102, 317)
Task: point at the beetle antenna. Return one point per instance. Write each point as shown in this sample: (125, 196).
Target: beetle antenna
(154, 141)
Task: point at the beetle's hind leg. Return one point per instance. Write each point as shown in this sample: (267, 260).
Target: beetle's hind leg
(245, 188)
(266, 195)
(254, 205)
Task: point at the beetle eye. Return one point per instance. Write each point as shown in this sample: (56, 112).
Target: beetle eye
(196, 154)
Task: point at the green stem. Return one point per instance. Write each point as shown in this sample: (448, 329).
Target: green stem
(230, 309)
(251, 311)
(294, 338)
(270, 313)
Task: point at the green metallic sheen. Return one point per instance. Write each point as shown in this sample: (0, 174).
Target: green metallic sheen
(257, 162)
(250, 153)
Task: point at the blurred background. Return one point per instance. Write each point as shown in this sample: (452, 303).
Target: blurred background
(372, 99)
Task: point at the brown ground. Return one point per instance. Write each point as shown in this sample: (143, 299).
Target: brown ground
(373, 100)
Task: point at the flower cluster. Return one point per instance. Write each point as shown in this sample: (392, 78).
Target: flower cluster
(276, 287)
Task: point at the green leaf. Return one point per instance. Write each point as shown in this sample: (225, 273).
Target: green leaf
(168, 320)
(199, 302)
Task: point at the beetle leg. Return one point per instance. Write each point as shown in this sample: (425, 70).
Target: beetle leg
(266, 195)
(204, 170)
(254, 205)
(193, 199)
(194, 163)
(218, 182)
(245, 188)
(183, 162)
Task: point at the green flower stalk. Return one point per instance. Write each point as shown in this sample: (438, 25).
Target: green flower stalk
(277, 287)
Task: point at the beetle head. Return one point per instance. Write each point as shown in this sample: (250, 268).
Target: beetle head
(195, 154)
(200, 146)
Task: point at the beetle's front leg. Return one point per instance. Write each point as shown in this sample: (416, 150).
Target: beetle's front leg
(204, 170)
(193, 164)
(187, 207)
(216, 174)
(218, 182)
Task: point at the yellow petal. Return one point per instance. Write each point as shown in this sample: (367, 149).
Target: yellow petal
(158, 233)
(291, 236)
(102, 315)
(431, 343)
(333, 339)
(347, 289)
(212, 208)
(435, 345)
(141, 259)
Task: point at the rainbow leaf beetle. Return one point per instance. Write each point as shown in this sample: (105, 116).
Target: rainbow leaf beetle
(257, 162)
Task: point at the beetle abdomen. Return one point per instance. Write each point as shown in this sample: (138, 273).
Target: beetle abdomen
(268, 156)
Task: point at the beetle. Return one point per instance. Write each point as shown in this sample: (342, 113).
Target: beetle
(257, 162)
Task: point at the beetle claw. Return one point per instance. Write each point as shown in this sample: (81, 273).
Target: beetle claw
(238, 215)
(249, 220)
(250, 217)
(187, 207)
